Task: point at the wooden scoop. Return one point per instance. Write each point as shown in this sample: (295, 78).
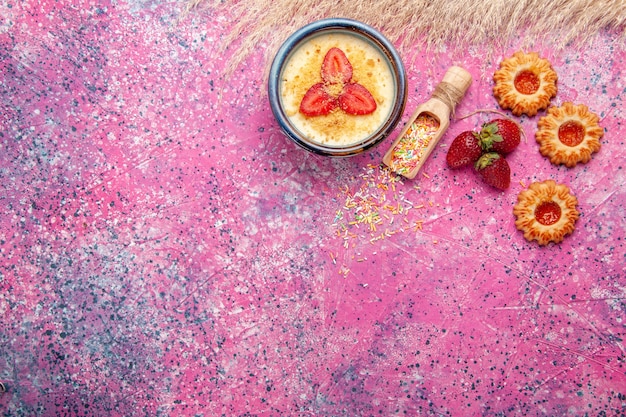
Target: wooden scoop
(427, 125)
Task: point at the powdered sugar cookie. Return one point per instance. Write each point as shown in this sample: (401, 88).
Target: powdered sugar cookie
(525, 83)
(546, 212)
(569, 134)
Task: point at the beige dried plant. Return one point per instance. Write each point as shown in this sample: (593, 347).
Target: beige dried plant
(436, 25)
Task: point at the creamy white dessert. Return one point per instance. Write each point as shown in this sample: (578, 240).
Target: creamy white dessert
(370, 69)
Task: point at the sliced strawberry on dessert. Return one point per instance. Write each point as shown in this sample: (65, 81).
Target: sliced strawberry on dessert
(317, 101)
(336, 67)
(356, 100)
(500, 135)
(494, 170)
(464, 150)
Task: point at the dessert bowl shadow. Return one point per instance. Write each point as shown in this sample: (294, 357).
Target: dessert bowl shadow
(388, 74)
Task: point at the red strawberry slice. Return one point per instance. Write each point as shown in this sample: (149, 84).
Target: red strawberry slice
(336, 67)
(494, 170)
(356, 100)
(500, 135)
(464, 150)
(317, 101)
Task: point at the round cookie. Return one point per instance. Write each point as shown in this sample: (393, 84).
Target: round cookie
(524, 83)
(546, 212)
(569, 134)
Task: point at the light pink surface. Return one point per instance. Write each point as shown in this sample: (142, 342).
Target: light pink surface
(166, 251)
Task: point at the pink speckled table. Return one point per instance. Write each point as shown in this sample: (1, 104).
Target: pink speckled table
(166, 251)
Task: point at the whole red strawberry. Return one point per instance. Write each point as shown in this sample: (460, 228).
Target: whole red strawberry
(500, 135)
(494, 170)
(464, 150)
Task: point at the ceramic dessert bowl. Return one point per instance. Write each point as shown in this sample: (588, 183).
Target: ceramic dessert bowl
(342, 127)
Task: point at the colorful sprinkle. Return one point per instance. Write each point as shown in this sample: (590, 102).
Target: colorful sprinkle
(376, 204)
(409, 150)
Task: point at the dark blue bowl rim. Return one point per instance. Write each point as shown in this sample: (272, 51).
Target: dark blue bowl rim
(330, 24)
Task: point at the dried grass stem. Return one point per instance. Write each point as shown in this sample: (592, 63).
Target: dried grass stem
(434, 24)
